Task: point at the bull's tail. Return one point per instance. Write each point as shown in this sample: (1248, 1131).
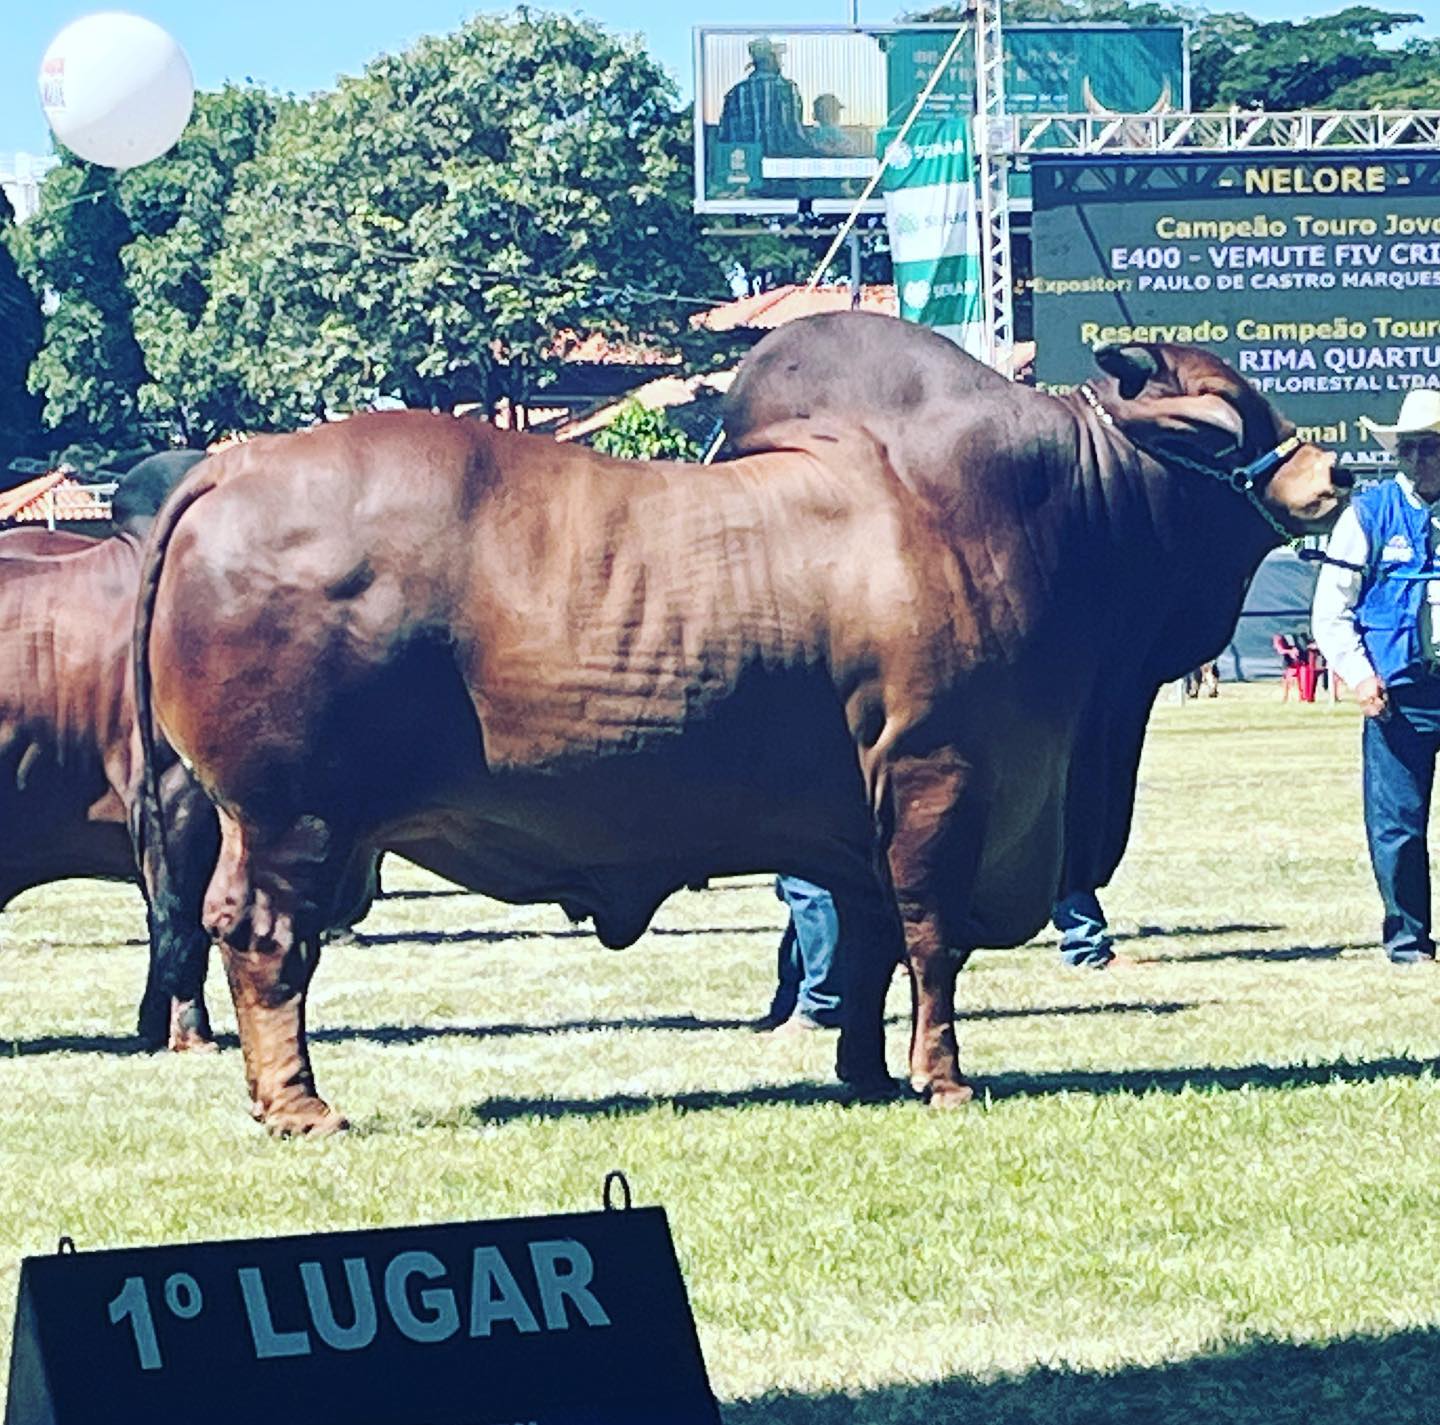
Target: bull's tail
(152, 810)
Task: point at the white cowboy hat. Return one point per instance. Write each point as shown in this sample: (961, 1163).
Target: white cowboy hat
(1419, 415)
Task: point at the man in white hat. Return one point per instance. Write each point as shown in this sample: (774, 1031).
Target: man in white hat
(1376, 618)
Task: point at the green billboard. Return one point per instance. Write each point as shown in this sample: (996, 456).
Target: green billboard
(1317, 276)
(791, 116)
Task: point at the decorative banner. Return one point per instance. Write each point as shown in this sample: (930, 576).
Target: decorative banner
(571, 1320)
(1317, 276)
(930, 214)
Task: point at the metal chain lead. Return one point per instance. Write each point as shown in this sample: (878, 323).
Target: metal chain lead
(1235, 479)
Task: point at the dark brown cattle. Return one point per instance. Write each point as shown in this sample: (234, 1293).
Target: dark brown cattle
(1184, 586)
(549, 675)
(68, 748)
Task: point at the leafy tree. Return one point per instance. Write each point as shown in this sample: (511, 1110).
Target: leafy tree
(1411, 82)
(89, 370)
(1326, 62)
(1284, 65)
(641, 433)
(426, 230)
(176, 206)
(20, 331)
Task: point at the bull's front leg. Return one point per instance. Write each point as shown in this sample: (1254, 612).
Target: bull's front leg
(933, 858)
(269, 968)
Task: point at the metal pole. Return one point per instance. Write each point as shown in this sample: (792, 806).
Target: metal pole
(854, 268)
(875, 177)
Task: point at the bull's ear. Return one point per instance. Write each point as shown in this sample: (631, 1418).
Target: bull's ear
(1132, 366)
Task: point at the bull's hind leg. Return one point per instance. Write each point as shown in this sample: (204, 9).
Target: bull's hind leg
(253, 906)
(932, 864)
(172, 1009)
(872, 947)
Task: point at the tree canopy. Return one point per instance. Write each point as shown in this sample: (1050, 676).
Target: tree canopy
(1331, 61)
(176, 206)
(422, 232)
(426, 230)
(89, 370)
(21, 327)
(430, 228)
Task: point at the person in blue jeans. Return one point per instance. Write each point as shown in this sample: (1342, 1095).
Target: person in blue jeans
(807, 990)
(808, 978)
(1376, 617)
(1085, 940)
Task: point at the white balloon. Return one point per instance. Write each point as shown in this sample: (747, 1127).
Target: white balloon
(116, 89)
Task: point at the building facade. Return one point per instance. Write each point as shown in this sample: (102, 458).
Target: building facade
(20, 176)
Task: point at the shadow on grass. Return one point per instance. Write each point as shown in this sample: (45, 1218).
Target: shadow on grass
(1179, 932)
(1383, 1380)
(1278, 956)
(364, 940)
(994, 1089)
(688, 1023)
(401, 1034)
(423, 895)
(74, 1044)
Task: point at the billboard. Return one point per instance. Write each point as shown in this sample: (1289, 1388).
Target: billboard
(792, 115)
(1317, 276)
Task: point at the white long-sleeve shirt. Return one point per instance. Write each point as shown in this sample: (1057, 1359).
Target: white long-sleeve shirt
(1337, 590)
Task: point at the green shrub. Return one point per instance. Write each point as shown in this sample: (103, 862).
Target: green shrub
(639, 433)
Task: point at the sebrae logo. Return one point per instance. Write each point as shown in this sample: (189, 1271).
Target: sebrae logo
(899, 155)
(916, 293)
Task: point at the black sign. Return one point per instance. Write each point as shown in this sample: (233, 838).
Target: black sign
(1316, 276)
(571, 1320)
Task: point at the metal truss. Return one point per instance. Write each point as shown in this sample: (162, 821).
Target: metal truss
(1235, 131)
(993, 148)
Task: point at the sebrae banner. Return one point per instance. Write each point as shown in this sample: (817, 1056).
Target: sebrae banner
(930, 215)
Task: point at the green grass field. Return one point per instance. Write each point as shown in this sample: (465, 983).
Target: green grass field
(1204, 1187)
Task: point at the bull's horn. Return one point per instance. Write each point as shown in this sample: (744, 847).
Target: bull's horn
(1132, 366)
(1092, 104)
(1162, 105)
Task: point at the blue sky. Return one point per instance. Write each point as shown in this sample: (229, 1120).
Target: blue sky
(302, 45)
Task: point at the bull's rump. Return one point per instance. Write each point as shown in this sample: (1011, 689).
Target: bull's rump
(579, 663)
(65, 708)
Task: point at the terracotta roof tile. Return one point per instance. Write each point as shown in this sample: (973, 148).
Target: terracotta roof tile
(768, 310)
(31, 502)
(602, 351)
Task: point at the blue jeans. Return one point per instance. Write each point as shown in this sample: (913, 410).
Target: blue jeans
(808, 969)
(1399, 761)
(1084, 933)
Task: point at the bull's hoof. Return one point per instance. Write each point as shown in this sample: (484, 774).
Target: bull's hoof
(301, 1118)
(956, 1094)
(882, 1089)
(192, 1041)
(153, 1026)
(189, 1029)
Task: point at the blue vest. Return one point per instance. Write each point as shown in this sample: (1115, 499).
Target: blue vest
(1387, 613)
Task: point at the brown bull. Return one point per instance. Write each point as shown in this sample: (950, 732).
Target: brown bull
(69, 762)
(908, 386)
(42, 542)
(549, 675)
